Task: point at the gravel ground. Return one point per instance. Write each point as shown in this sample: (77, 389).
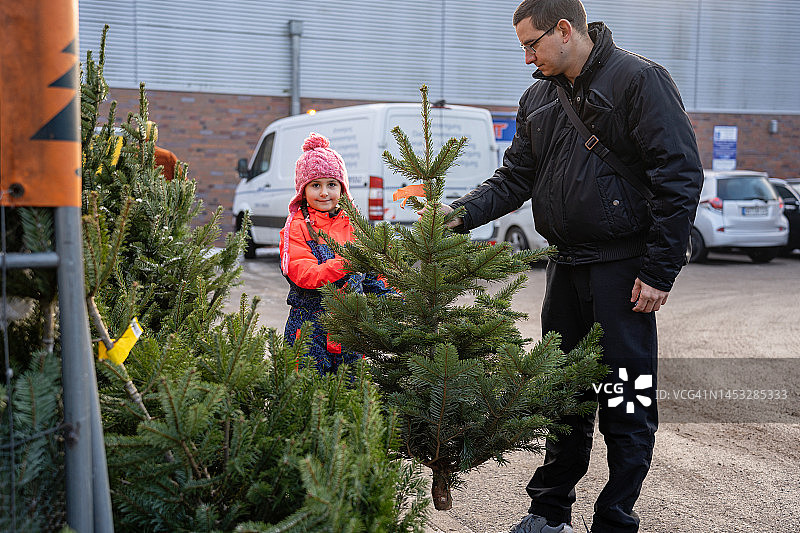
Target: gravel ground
(706, 476)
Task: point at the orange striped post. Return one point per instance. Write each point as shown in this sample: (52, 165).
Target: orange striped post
(40, 149)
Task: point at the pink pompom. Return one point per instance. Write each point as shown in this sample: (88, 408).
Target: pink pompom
(315, 140)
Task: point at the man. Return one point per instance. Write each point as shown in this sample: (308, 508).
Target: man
(618, 253)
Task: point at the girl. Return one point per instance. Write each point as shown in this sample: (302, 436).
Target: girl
(306, 260)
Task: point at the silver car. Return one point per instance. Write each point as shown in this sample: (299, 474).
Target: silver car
(517, 228)
(739, 211)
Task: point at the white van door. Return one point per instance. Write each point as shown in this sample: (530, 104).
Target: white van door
(476, 164)
(253, 193)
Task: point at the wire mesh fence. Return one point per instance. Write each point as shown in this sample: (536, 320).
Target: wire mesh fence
(32, 493)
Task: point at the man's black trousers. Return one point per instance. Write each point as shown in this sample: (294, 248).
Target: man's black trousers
(575, 298)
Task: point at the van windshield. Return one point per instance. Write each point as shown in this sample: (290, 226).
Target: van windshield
(745, 188)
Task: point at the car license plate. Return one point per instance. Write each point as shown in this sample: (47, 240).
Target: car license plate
(757, 211)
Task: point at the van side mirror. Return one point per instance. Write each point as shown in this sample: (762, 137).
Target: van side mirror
(241, 168)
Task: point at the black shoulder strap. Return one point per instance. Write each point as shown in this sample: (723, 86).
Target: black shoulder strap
(593, 144)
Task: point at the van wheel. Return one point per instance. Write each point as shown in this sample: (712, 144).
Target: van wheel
(250, 248)
(696, 252)
(763, 255)
(517, 238)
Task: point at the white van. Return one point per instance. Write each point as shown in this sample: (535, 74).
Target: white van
(360, 134)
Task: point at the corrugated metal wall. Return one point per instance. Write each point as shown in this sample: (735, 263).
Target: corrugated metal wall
(752, 59)
(725, 55)
(664, 31)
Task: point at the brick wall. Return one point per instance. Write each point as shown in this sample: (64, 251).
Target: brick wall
(756, 149)
(211, 132)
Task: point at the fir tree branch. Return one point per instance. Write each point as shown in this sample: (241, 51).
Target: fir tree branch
(426, 126)
(37, 227)
(93, 243)
(181, 439)
(117, 240)
(105, 338)
(446, 157)
(410, 166)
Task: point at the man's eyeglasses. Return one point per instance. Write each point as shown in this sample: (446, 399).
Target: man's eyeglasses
(530, 47)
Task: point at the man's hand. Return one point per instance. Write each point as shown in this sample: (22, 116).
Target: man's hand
(444, 209)
(647, 298)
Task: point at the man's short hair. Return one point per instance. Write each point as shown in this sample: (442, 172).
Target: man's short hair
(545, 13)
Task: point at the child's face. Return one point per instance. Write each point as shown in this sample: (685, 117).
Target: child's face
(323, 194)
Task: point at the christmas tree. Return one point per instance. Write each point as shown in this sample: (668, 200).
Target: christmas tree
(446, 352)
(228, 434)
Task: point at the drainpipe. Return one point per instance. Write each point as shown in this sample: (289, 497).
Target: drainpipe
(295, 31)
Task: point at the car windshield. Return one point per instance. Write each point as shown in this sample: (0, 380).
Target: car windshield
(745, 188)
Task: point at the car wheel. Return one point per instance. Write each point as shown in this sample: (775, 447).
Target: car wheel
(763, 255)
(517, 238)
(696, 252)
(250, 248)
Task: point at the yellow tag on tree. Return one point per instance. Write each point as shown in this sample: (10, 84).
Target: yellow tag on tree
(122, 346)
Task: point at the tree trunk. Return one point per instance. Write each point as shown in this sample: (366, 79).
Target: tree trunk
(440, 490)
(48, 309)
(105, 338)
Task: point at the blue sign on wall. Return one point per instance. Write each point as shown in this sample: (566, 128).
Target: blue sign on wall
(504, 128)
(725, 138)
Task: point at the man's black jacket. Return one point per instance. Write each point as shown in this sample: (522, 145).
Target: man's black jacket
(590, 214)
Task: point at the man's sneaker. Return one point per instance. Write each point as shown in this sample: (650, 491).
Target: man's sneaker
(538, 524)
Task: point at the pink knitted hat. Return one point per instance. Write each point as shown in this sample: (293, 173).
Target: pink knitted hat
(318, 161)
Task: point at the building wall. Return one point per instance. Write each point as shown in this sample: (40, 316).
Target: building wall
(756, 149)
(212, 131)
(218, 72)
(348, 48)
(466, 51)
